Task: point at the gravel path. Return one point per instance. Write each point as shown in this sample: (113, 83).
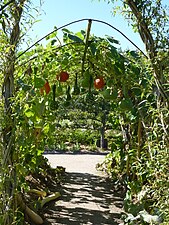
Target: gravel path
(87, 196)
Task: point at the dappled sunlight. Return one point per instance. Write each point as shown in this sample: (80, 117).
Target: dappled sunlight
(86, 199)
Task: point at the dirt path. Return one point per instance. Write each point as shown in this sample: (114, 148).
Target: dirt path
(87, 197)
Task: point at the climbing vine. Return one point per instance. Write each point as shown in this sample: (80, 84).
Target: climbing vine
(150, 20)
(44, 84)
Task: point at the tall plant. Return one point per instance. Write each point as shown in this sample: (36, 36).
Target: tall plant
(150, 20)
(12, 19)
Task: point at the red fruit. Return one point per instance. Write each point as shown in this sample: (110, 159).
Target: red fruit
(63, 76)
(47, 87)
(99, 83)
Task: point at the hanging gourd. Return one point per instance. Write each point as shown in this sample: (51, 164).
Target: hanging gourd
(76, 89)
(68, 96)
(54, 92)
(46, 88)
(54, 104)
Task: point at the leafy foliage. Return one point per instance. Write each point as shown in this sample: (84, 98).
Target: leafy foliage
(150, 154)
(74, 111)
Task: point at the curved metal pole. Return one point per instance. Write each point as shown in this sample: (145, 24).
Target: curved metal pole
(108, 24)
(77, 21)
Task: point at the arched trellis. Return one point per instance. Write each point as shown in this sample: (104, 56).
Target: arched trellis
(158, 81)
(86, 39)
(81, 20)
(77, 22)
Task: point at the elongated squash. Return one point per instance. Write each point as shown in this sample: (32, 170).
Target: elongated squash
(34, 217)
(38, 192)
(50, 198)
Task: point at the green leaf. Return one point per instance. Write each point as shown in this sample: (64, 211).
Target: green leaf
(112, 40)
(75, 38)
(39, 152)
(134, 69)
(59, 89)
(134, 54)
(35, 70)
(93, 48)
(87, 80)
(66, 30)
(51, 35)
(46, 129)
(38, 82)
(83, 32)
(39, 108)
(29, 113)
(80, 35)
(126, 104)
(114, 52)
(25, 87)
(137, 91)
(109, 94)
(53, 41)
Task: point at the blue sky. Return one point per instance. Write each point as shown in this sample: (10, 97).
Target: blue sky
(60, 12)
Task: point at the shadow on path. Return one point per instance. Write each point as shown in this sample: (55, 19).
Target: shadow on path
(86, 199)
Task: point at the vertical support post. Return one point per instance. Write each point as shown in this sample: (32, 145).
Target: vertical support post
(9, 173)
(86, 44)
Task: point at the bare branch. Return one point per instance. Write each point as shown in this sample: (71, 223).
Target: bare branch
(143, 28)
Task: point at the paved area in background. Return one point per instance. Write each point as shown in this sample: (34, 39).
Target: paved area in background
(87, 196)
(78, 163)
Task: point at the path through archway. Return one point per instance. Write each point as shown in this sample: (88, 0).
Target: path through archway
(87, 196)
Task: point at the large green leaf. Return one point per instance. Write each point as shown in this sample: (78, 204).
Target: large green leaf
(38, 82)
(66, 31)
(87, 80)
(39, 108)
(134, 54)
(112, 40)
(75, 38)
(81, 35)
(93, 48)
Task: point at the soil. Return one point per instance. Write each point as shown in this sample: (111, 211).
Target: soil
(87, 196)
